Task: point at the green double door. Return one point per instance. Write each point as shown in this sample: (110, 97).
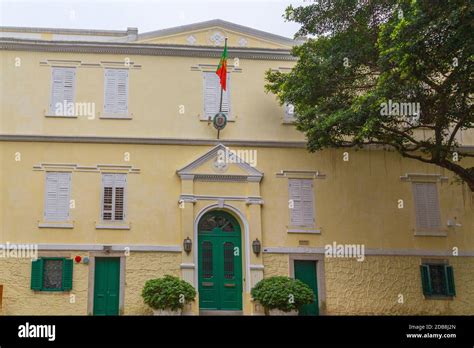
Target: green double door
(219, 262)
(106, 285)
(305, 270)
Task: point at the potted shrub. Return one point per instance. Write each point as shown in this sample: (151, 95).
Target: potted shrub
(168, 295)
(282, 295)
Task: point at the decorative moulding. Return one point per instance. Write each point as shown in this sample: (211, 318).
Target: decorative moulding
(421, 177)
(149, 141)
(80, 64)
(190, 198)
(309, 174)
(253, 175)
(213, 67)
(144, 49)
(81, 168)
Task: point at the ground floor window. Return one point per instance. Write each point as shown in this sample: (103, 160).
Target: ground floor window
(51, 274)
(437, 280)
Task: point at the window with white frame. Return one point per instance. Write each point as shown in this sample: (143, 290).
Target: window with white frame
(116, 92)
(301, 202)
(63, 85)
(212, 95)
(427, 209)
(113, 197)
(57, 196)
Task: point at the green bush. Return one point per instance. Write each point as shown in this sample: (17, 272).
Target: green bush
(168, 292)
(282, 293)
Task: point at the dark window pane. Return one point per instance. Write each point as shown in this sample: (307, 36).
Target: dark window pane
(438, 283)
(206, 259)
(207, 223)
(228, 260)
(119, 194)
(53, 274)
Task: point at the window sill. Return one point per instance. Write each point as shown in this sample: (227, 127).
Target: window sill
(60, 116)
(438, 233)
(303, 229)
(67, 225)
(106, 226)
(439, 297)
(116, 117)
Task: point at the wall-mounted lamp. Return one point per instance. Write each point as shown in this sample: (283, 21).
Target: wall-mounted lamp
(187, 245)
(256, 246)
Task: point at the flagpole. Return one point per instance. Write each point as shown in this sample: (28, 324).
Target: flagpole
(222, 92)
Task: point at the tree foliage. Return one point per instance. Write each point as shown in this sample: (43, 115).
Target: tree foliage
(391, 73)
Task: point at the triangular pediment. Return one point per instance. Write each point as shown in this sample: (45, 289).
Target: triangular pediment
(213, 32)
(223, 163)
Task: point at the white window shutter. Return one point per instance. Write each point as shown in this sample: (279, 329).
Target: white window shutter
(294, 193)
(426, 206)
(212, 95)
(57, 196)
(116, 92)
(122, 91)
(63, 84)
(301, 194)
(308, 202)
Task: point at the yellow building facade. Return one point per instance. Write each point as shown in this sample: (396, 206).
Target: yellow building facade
(107, 186)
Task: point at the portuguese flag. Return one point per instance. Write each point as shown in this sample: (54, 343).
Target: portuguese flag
(222, 68)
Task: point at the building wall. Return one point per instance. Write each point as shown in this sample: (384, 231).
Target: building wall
(159, 90)
(373, 287)
(382, 285)
(19, 299)
(350, 208)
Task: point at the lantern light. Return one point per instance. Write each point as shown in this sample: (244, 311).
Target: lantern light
(256, 246)
(187, 245)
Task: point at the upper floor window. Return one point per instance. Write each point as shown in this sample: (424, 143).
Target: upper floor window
(57, 193)
(212, 95)
(113, 197)
(289, 116)
(116, 92)
(426, 206)
(301, 202)
(63, 84)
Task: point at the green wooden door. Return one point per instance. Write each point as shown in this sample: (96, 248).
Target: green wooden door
(220, 262)
(106, 285)
(306, 272)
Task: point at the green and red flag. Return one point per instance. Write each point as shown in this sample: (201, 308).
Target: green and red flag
(222, 68)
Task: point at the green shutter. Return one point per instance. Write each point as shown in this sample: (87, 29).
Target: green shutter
(36, 274)
(449, 274)
(67, 274)
(425, 280)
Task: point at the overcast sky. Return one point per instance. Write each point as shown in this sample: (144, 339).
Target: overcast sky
(146, 15)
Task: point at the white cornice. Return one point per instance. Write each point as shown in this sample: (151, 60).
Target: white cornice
(143, 49)
(369, 251)
(148, 141)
